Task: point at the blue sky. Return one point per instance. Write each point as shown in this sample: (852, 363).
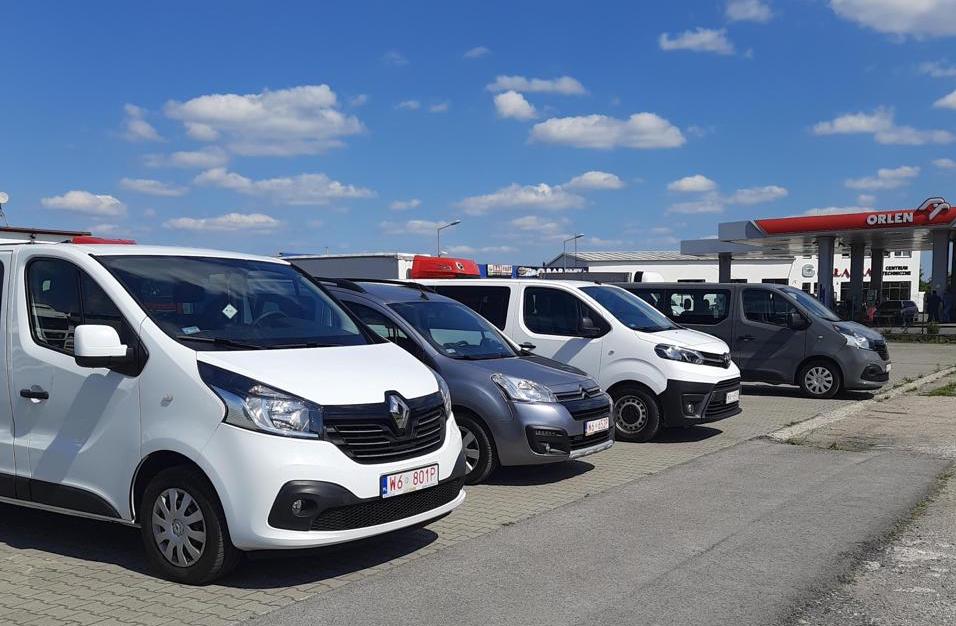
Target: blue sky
(360, 126)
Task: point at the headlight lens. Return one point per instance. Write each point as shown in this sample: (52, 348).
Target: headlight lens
(445, 392)
(255, 406)
(676, 353)
(853, 338)
(523, 390)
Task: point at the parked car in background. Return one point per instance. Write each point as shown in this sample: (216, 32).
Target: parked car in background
(657, 373)
(221, 402)
(896, 313)
(512, 407)
(777, 334)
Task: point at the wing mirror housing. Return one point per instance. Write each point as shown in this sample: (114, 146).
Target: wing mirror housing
(527, 348)
(589, 329)
(796, 321)
(98, 345)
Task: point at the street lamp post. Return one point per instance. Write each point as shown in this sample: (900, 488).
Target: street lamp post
(438, 233)
(564, 249)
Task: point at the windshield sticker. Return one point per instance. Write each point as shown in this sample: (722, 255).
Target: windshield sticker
(230, 311)
(190, 330)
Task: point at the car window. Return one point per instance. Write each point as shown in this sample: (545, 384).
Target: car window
(704, 307)
(454, 329)
(489, 302)
(383, 327)
(550, 311)
(767, 307)
(61, 297)
(630, 310)
(653, 298)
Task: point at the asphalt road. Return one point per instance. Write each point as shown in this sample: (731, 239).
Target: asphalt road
(740, 536)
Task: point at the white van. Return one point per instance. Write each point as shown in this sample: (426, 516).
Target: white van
(657, 373)
(221, 402)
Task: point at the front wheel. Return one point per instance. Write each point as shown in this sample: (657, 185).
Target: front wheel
(636, 414)
(184, 528)
(820, 379)
(480, 459)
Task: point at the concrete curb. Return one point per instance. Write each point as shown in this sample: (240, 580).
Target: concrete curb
(789, 433)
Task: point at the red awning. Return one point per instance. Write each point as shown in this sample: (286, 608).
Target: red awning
(443, 267)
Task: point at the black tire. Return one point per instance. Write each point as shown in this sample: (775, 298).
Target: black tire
(206, 560)
(479, 450)
(637, 416)
(820, 379)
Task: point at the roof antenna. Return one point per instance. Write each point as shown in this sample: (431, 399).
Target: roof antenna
(4, 198)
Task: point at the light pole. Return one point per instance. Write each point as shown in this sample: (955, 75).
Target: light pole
(438, 233)
(564, 251)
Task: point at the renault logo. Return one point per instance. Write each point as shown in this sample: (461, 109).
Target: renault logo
(399, 411)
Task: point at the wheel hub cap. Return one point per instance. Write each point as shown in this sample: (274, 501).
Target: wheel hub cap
(179, 527)
(819, 380)
(469, 443)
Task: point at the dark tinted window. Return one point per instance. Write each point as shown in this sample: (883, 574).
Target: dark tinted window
(384, 327)
(630, 310)
(556, 312)
(765, 306)
(61, 298)
(454, 329)
(652, 297)
(704, 306)
(489, 302)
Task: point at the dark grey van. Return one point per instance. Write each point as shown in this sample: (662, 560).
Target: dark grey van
(512, 407)
(777, 334)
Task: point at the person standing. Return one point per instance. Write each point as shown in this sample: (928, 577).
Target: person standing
(949, 299)
(933, 303)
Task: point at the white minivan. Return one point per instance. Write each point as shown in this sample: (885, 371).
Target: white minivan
(657, 373)
(221, 402)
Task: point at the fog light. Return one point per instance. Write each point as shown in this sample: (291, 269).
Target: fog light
(297, 507)
(691, 408)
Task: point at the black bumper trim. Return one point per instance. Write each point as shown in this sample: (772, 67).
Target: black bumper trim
(672, 405)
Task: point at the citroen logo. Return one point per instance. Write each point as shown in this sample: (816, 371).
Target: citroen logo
(399, 411)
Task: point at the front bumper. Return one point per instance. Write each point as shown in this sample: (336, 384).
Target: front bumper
(258, 476)
(708, 401)
(864, 369)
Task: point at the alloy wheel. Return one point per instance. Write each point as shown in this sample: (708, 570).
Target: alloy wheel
(179, 527)
(819, 380)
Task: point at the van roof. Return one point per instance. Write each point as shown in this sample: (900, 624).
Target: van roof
(542, 282)
(140, 250)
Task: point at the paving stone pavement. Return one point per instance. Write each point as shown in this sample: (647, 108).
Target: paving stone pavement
(61, 570)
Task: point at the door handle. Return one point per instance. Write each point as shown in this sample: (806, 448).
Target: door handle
(35, 393)
(747, 338)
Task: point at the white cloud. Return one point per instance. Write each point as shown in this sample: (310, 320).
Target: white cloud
(512, 104)
(439, 107)
(394, 58)
(286, 122)
(699, 40)
(748, 11)
(404, 205)
(477, 52)
(885, 178)
(937, 69)
(546, 228)
(564, 85)
(835, 210)
(152, 187)
(358, 100)
(946, 102)
(640, 131)
(692, 184)
(866, 199)
(595, 180)
(919, 18)
(757, 195)
(598, 241)
(541, 196)
(463, 250)
(409, 105)
(86, 203)
(111, 230)
(881, 125)
(189, 159)
(135, 128)
(945, 164)
(314, 189)
(411, 227)
(709, 203)
(229, 222)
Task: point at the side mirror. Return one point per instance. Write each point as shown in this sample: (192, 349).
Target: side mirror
(796, 321)
(527, 348)
(588, 328)
(96, 345)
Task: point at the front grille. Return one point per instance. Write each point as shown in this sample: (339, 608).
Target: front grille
(368, 434)
(579, 394)
(882, 350)
(586, 441)
(717, 410)
(586, 404)
(375, 512)
(716, 360)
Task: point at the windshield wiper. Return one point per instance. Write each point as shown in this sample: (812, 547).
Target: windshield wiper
(220, 341)
(303, 344)
(481, 357)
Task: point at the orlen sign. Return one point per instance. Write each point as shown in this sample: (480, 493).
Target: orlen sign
(933, 212)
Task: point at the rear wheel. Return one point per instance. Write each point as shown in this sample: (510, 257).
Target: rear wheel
(184, 528)
(480, 458)
(636, 414)
(820, 379)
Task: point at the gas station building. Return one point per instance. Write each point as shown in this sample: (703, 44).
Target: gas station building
(871, 234)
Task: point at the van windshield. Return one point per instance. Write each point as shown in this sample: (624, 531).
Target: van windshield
(629, 309)
(811, 304)
(455, 330)
(234, 304)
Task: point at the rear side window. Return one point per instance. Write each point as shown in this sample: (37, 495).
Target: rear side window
(766, 307)
(489, 302)
(705, 307)
(556, 312)
(383, 327)
(61, 297)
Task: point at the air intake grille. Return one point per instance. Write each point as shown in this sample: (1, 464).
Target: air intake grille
(375, 512)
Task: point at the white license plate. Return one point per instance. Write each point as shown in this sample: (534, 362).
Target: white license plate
(732, 396)
(597, 426)
(409, 481)
(889, 366)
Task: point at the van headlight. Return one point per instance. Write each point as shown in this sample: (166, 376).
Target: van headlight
(255, 406)
(676, 353)
(445, 392)
(853, 338)
(523, 390)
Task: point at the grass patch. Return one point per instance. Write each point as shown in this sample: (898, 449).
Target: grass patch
(946, 390)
